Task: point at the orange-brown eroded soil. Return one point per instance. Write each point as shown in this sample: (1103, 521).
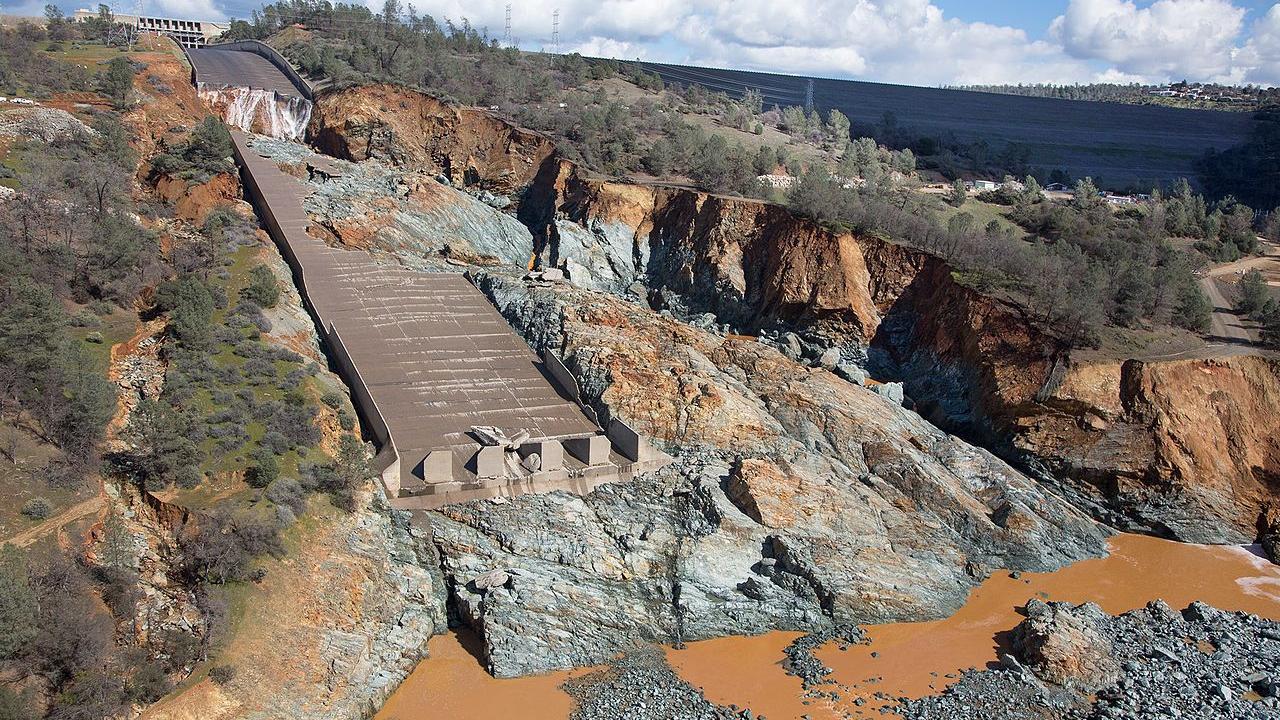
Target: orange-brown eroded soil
(912, 658)
(452, 685)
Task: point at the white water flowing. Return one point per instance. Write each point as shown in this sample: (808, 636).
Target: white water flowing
(258, 110)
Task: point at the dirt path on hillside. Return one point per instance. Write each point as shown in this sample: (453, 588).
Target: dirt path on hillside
(1225, 325)
(57, 522)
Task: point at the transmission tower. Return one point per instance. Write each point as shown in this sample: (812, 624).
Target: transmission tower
(137, 21)
(506, 35)
(808, 97)
(555, 31)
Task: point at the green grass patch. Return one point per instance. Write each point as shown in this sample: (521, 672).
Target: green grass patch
(982, 212)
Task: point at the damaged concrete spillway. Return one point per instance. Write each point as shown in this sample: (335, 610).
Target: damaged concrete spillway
(247, 85)
(459, 405)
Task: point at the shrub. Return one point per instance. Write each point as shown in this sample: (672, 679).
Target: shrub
(289, 493)
(222, 674)
(277, 442)
(262, 288)
(188, 477)
(37, 508)
(332, 398)
(148, 684)
(265, 468)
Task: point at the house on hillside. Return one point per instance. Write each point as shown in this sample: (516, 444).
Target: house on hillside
(985, 185)
(1113, 199)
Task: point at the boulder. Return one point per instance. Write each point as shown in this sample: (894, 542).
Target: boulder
(1067, 645)
(892, 392)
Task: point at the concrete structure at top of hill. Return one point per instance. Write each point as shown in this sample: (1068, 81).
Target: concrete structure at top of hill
(187, 33)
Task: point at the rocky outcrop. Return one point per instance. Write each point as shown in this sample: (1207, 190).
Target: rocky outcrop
(1142, 445)
(409, 213)
(1067, 645)
(403, 127)
(797, 500)
(1074, 661)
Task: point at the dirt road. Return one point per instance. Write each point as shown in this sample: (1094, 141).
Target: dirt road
(55, 523)
(1224, 324)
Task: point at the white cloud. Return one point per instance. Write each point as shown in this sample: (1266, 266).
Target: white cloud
(1259, 60)
(1171, 38)
(195, 9)
(905, 41)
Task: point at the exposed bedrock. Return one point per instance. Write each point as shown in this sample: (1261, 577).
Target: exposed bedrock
(404, 127)
(813, 498)
(753, 264)
(797, 500)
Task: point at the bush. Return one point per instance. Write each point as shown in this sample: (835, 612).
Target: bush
(14, 706)
(188, 477)
(148, 684)
(289, 493)
(220, 547)
(333, 399)
(37, 508)
(222, 674)
(265, 468)
(262, 288)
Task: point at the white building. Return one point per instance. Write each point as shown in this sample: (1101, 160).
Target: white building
(187, 33)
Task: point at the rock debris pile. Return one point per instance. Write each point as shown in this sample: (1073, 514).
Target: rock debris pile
(1153, 662)
(640, 685)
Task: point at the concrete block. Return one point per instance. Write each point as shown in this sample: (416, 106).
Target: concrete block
(491, 462)
(593, 450)
(565, 379)
(630, 444)
(551, 452)
(437, 467)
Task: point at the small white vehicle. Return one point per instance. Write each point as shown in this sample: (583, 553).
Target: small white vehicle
(22, 101)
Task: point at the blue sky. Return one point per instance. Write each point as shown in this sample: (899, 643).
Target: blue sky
(917, 42)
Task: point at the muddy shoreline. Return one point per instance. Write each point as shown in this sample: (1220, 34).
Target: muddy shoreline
(902, 660)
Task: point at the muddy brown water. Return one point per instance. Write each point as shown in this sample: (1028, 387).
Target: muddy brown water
(912, 659)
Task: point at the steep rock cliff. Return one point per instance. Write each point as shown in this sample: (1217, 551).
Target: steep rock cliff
(753, 264)
(1181, 448)
(405, 127)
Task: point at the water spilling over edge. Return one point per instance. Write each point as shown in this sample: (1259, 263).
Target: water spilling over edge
(258, 110)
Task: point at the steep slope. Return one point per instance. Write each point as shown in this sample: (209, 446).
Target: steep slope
(1180, 448)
